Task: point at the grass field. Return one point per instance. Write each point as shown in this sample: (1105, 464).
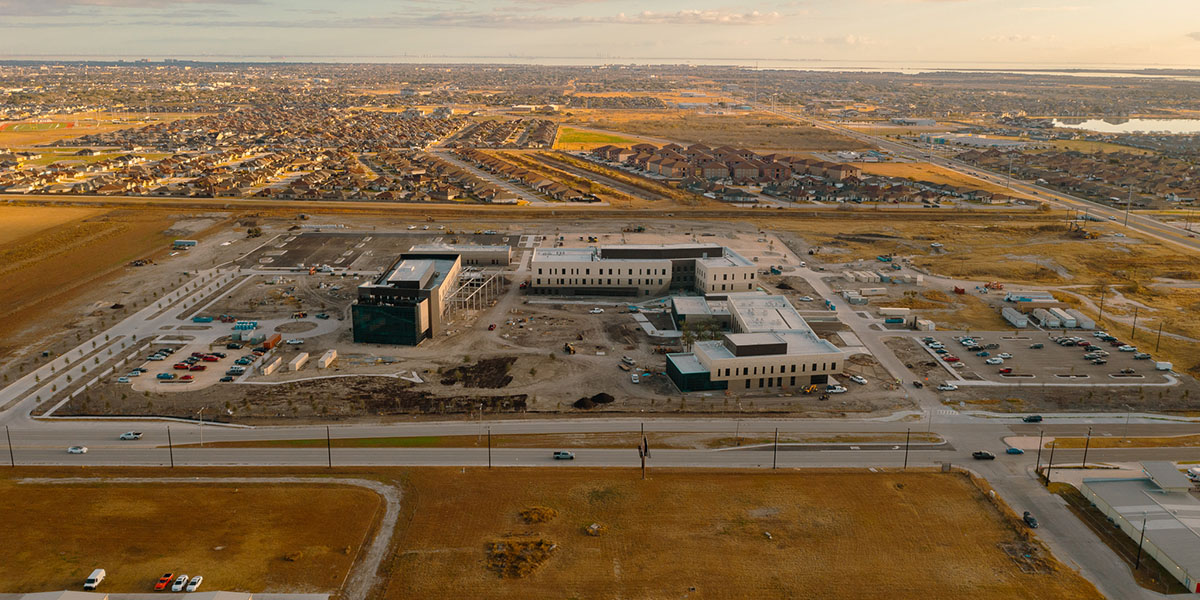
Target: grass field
(19, 127)
(705, 535)
(237, 537)
(1175, 441)
(18, 222)
(578, 139)
(16, 135)
(755, 131)
(922, 171)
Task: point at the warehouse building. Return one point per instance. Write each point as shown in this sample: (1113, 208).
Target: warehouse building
(640, 270)
(768, 346)
(472, 255)
(1159, 506)
(407, 302)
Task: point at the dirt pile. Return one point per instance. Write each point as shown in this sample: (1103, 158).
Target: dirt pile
(590, 402)
(538, 514)
(519, 557)
(487, 373)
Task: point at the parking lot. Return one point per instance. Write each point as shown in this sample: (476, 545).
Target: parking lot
(1015, 359)
(360, 251)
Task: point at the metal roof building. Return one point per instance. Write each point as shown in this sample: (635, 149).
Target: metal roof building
(1162, 504)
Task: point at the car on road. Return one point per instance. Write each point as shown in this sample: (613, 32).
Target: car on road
(994, 361)
(77, 450)
(918, 384)
(983, 455)
(805, 298)
(1006, 370)
(947, 387)
(492, 327)
(859, 379)
(1032, 419)
(225, 379)
(130, 435)
(596, 310)
(194, 584)
(634, 378)
(1012, 450)
(295, 342)
(180, 583)
(163, 582)
(123, 379)
(1030, 520)
(1004, 355)
(187, 378)
(563, 455)
(322, 316)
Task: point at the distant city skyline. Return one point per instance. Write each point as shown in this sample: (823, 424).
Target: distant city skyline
(924, 33)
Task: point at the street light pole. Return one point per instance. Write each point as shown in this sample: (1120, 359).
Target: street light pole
(201, 426)
(170, 447)
(1141, 539)
(775, 454)
(11, 458)
(907, 434)
(1038, 465)
(1158, 339)
(1133, 331)
(1087, 444)
(1050, 466)
(328, 447)
(489, 447)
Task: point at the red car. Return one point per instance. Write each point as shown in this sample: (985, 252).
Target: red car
(186, 378)
(1006, 370)
(198, 354)
(950, 359)
(163, 582)
(182, 366)
(198, 368)
(525, 284)
(209, 358)
(492, 327)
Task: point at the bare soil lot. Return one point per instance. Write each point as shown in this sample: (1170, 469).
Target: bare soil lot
(751, 130)
(245, 537)
(822, 534)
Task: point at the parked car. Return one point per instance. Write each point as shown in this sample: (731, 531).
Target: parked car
(165, 376)
(492, 327)
(1006, 370)
(1099, 361)
(187, 378)
(596, 311)
(194, 584)
(563, 455)
(805, 298)
(210, 359)
(983, 353)
(156, 357)
(163, 582)
(1029, 520)
(219, 354)
(77, 450)
(180, 583)
(859, 379)
(634, 378)
(1004, 355)
(1128, 371)
(94, 579)
(947, 387)
(1032, 419)
(181, 366)
(1141, 356)
(295, 342)
(1127, 348)
(225, 379)
(950, 359)
(123, 379)
(198, 368)
(130, 435)
(918, 384)
(994, 361)
(233, 346)
(1037, 346)
(983, 455)
(322, 316)
(835, 389)
(1012, 450)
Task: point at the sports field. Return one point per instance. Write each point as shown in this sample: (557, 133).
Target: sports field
(680, 534)
(578, 139)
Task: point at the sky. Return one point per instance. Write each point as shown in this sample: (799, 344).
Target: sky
(1045, 33)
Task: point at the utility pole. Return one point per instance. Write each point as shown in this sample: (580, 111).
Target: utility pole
(1038, 465)
(775, 454)
(328, 447)
(1103, 292)
(170, 447)
(1128, 203)
(1128, 412)
(1142, 538)
(1050, 466)
(1087, 444)
(907, 434)
(201, 426)
(489, 447)
(1158, 339)
(11, 458)
(1133, 331)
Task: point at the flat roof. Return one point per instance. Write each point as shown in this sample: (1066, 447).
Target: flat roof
(1172, 518)
(687, 363)
(566, 254)
(798, 343)
(729, 259)
(410, 269)
(767, 313)
(1165, 475)
(691, 305)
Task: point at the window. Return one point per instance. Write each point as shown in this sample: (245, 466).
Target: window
(833, 367)
(793, 381)
(793, 368)
(760, 382)
(814, 367)
(747, 384)
(539, 270)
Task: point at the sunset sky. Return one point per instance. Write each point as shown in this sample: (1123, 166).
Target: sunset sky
(952, 32)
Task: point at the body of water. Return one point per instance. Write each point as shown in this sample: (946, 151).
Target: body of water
(1132, 125)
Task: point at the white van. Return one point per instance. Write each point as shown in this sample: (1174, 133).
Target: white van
(94, 579)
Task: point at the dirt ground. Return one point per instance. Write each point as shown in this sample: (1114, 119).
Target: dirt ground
(671, 536)
(249, 537)
(751, 130)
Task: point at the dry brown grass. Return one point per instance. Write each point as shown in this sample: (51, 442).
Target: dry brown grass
(1176, 441)
(751, 130)
(17, 222)
(921, 171)
(705, 535)
(237, 537)
(82, 124)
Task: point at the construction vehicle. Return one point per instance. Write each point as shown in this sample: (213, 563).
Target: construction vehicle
(634, 229)
(810, 389)
(592, 239)
(312, 269)
(993, 285)
(568, 348)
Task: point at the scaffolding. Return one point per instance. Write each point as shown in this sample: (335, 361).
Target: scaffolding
(475, 289)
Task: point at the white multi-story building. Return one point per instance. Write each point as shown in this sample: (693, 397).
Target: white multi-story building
(640, 270)
(769, 346)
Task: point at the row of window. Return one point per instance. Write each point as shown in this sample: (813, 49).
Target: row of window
(743, 371)
(593, 282)
(588, 271)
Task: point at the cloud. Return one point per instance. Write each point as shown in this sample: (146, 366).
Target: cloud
(1050, 8)
(837, 40)
(1019, 38)
(501, 19)
(44, 8)
(1195, 35)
